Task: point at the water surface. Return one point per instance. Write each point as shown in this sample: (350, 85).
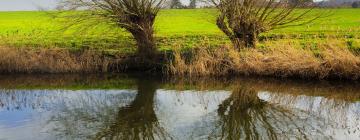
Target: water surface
(137, 107)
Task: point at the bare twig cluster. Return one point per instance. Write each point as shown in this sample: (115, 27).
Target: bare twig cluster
(243, 20)
(135, 16)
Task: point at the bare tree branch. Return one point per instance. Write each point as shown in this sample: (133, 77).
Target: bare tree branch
(135, 16)
(243, 20)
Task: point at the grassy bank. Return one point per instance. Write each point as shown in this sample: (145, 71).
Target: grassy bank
(173, 27)
(189, 43)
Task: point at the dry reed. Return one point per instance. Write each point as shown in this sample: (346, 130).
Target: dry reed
(280, 60)
(26, 60)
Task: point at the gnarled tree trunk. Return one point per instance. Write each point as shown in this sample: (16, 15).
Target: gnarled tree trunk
(243, 35)
(135, 16)
(241, 40)
(143, 33)
(145, 42)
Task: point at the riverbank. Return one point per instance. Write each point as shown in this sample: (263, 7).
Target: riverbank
(328, 60)
(189, 44)
(331, 59)
(58, 60)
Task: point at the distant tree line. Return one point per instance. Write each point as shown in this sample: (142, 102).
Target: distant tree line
(176, 4)
(355, 4)
(340, 3)
(296, 2)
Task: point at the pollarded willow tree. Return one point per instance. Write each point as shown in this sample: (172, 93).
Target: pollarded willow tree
(243, 20)
(135, 16)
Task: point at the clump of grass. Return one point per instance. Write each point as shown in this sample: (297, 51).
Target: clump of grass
(280, 59)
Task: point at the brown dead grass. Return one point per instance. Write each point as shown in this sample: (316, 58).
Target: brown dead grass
(283, 60)
(23, 60)
(279, 59)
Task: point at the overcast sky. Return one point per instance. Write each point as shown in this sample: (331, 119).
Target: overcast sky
(21, 5)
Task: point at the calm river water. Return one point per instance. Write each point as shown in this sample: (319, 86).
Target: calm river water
(47, 107)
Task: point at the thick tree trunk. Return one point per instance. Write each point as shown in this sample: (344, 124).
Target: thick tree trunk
(243, 42)
(238, 43)
(250, 40)
(142, 30)
(145, 43)
(242, 34)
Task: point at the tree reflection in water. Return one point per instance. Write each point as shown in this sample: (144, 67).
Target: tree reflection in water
(238, 112)
(244, 116)
(135, 121)
(138, 120)
(218, 110)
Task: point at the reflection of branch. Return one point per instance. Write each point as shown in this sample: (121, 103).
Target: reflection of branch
(237, 114)
(244, 116)
(86, 114)
(138, 120)
(335, 111)
(99, 118)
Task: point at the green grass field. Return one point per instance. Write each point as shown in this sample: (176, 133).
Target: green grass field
(185, 28)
